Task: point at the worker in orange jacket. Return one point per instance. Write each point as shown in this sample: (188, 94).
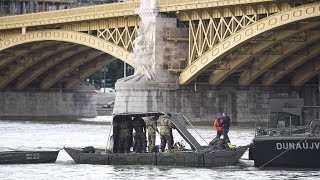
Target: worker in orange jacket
(218, 125)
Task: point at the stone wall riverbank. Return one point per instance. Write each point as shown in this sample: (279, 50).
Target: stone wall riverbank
(47, 105)
(245, 105)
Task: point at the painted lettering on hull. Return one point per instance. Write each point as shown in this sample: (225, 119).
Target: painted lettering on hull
(297, 146)
(30, 156)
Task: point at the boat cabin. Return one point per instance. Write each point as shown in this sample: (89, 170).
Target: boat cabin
(124, 127)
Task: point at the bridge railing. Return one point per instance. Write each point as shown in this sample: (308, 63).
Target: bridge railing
(170, 2)
(69, 15)
(214, 2)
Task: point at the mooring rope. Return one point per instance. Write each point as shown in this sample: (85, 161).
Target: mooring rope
(279, 155)
(108, 142)
(311, 134)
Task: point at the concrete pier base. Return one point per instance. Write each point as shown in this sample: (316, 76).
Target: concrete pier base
(47, 105)
(245, 105)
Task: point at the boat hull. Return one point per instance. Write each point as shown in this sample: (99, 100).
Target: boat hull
(28, 157)
(213, 158)
(296, 152)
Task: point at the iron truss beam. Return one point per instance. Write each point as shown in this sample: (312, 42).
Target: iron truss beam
(71, 37)
(68, 66)
(20, 53)
(204, 34)
(86, 70)
(250, 6)
(120, 31)
(22, 65)
(269, 60)
(38, 69)
(239, 59)
(307, 71)
(122, 37)
(208, 27)
(271, 23)
(291, 63)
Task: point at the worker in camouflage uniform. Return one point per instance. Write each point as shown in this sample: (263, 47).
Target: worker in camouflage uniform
(152, 129)
(115, 124)
(140, 138)
(125, 135)
(166, 132)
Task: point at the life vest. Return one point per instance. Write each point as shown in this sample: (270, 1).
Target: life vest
(217, 125)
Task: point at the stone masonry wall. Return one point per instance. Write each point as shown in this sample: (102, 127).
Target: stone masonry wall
(46, 105)
(169, 52)
(244, 104)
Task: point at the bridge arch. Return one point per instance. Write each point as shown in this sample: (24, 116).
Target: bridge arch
(88, 70)
(72, 39)
(68, 36)
(215, 54)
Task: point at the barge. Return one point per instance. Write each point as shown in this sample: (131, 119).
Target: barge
(197, 156)
(287, 147)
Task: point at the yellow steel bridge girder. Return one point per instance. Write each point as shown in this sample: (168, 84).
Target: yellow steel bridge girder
(23, 52)
(68, 36)
(124, 9)
(268, 61)
(204, 34)
(20, 67)
(88, 70)
(41, 67)
(67, 67)
(88, 13)
(98, 24)
(309, 70)
(119, 31)
(290, 64)
(185, 5)
(270, 23)
(237, 61)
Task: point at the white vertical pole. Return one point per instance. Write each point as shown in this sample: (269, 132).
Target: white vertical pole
(104, 79)
(124, 69)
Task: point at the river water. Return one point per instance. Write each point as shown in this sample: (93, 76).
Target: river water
(48, 135)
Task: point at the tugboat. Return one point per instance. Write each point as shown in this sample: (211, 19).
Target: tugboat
(198, 156)
(294, 147)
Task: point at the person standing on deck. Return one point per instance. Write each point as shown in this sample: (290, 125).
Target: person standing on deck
(218, 125)
(152, 129)
(125, 135)
(140, 139)
(226, 126)
(166, 126)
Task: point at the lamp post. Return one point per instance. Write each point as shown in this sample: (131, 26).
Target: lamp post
(104, 70)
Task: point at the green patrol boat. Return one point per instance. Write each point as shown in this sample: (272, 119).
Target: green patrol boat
(197, 156)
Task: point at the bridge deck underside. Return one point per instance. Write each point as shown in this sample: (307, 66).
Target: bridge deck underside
(49, 65)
